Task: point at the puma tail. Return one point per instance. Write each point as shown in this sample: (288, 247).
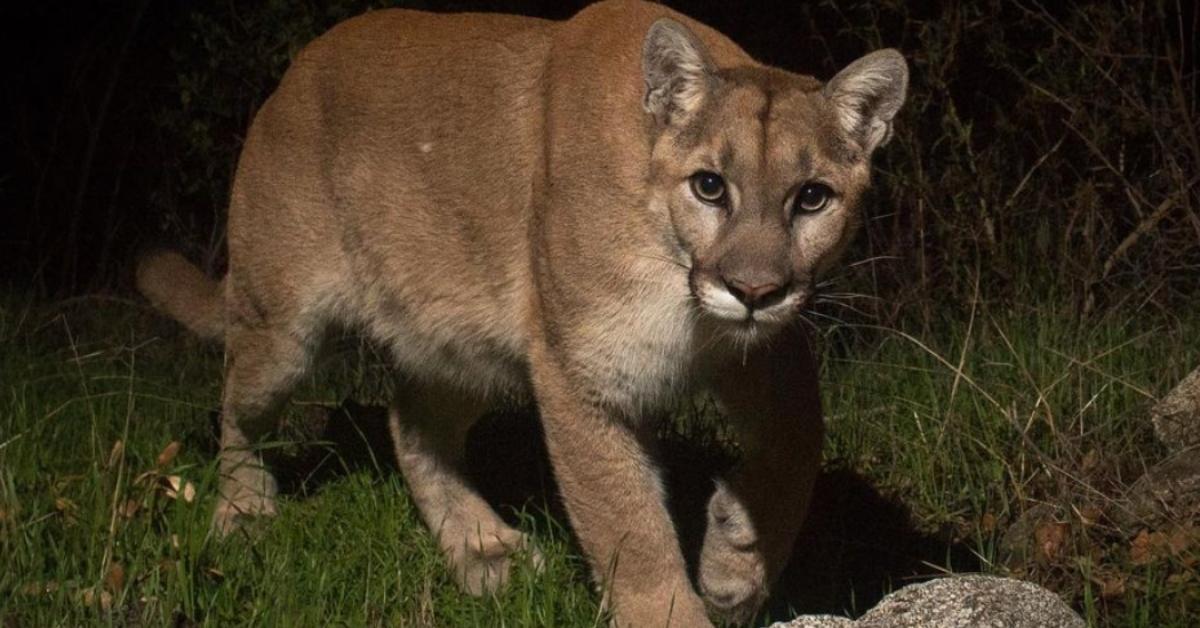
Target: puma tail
(177, 288)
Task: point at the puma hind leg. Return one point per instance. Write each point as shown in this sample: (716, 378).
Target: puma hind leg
(262, 367)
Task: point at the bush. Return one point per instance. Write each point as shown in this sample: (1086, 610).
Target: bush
(1048, 152)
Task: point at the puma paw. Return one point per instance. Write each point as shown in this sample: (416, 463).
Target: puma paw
(482, 562)
(733, 575)
(236, 514)
(247, 495)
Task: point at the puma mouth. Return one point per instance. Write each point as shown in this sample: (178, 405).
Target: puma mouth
(718, 302)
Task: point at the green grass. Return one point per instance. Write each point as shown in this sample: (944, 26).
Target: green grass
(981, 419)
(352, 552)
(965, 424)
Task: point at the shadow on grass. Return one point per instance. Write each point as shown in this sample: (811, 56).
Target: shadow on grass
(857, 545)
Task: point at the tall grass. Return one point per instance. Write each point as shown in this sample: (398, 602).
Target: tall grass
(985, 419)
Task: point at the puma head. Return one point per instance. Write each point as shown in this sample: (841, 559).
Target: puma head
(760, 170)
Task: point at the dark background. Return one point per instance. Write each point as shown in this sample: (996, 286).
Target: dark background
(96, 102)
(1050, 150)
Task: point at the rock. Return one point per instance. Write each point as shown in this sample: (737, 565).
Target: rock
(971, 601)
(1176, 417)
(817, 621)
(959, 602)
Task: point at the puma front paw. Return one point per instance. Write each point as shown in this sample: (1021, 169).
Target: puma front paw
(482, 562)
(733, 574)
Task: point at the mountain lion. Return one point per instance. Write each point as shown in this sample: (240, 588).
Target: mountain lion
(600, 215)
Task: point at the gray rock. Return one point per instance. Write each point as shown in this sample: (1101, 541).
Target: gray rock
(959, 602)
(971, 601)
(1176, 417)
(817, 621)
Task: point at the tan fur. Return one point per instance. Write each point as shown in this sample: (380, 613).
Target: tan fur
(176, 287)
(506, 204)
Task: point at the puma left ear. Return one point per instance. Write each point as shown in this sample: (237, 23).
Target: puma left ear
(867, 94)
(678, 73)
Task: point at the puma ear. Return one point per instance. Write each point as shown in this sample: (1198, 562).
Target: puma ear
(867, 94)
(678, 72)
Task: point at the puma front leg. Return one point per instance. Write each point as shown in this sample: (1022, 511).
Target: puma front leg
(615, 502)
(755, 514)
(429, 425)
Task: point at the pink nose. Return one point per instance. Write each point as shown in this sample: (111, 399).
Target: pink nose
(755, 295)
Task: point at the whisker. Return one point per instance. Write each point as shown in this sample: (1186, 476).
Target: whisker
(666, 260)
(828, 316)
(869, 260)
(845, 305)
(800, 316)
(712, 340)
(849, 295)
(828, 282)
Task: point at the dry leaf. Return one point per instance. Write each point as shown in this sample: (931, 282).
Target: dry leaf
(179, 488)
(63, 505)
(38, 588)
(130, 508)
(1050, 537)
(1139, 548)
(168, 453)
(1112, 585)
(116, 453)
(1146, 546)
(114, 580)
(1179, 578)
(1090, 460)
(91, 597)
(1181, 538)
(1090, 515)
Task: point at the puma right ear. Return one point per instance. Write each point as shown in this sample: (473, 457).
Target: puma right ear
(867, 94)
(679, 75)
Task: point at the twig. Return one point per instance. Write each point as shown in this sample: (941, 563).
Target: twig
(1028, 175)
(1145, 226)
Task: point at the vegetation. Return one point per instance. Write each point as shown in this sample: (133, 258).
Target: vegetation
(937, 444)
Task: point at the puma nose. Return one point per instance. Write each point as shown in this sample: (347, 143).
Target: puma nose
(755, 295)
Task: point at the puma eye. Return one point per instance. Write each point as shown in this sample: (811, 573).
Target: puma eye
(708, 187)
(813, 197)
